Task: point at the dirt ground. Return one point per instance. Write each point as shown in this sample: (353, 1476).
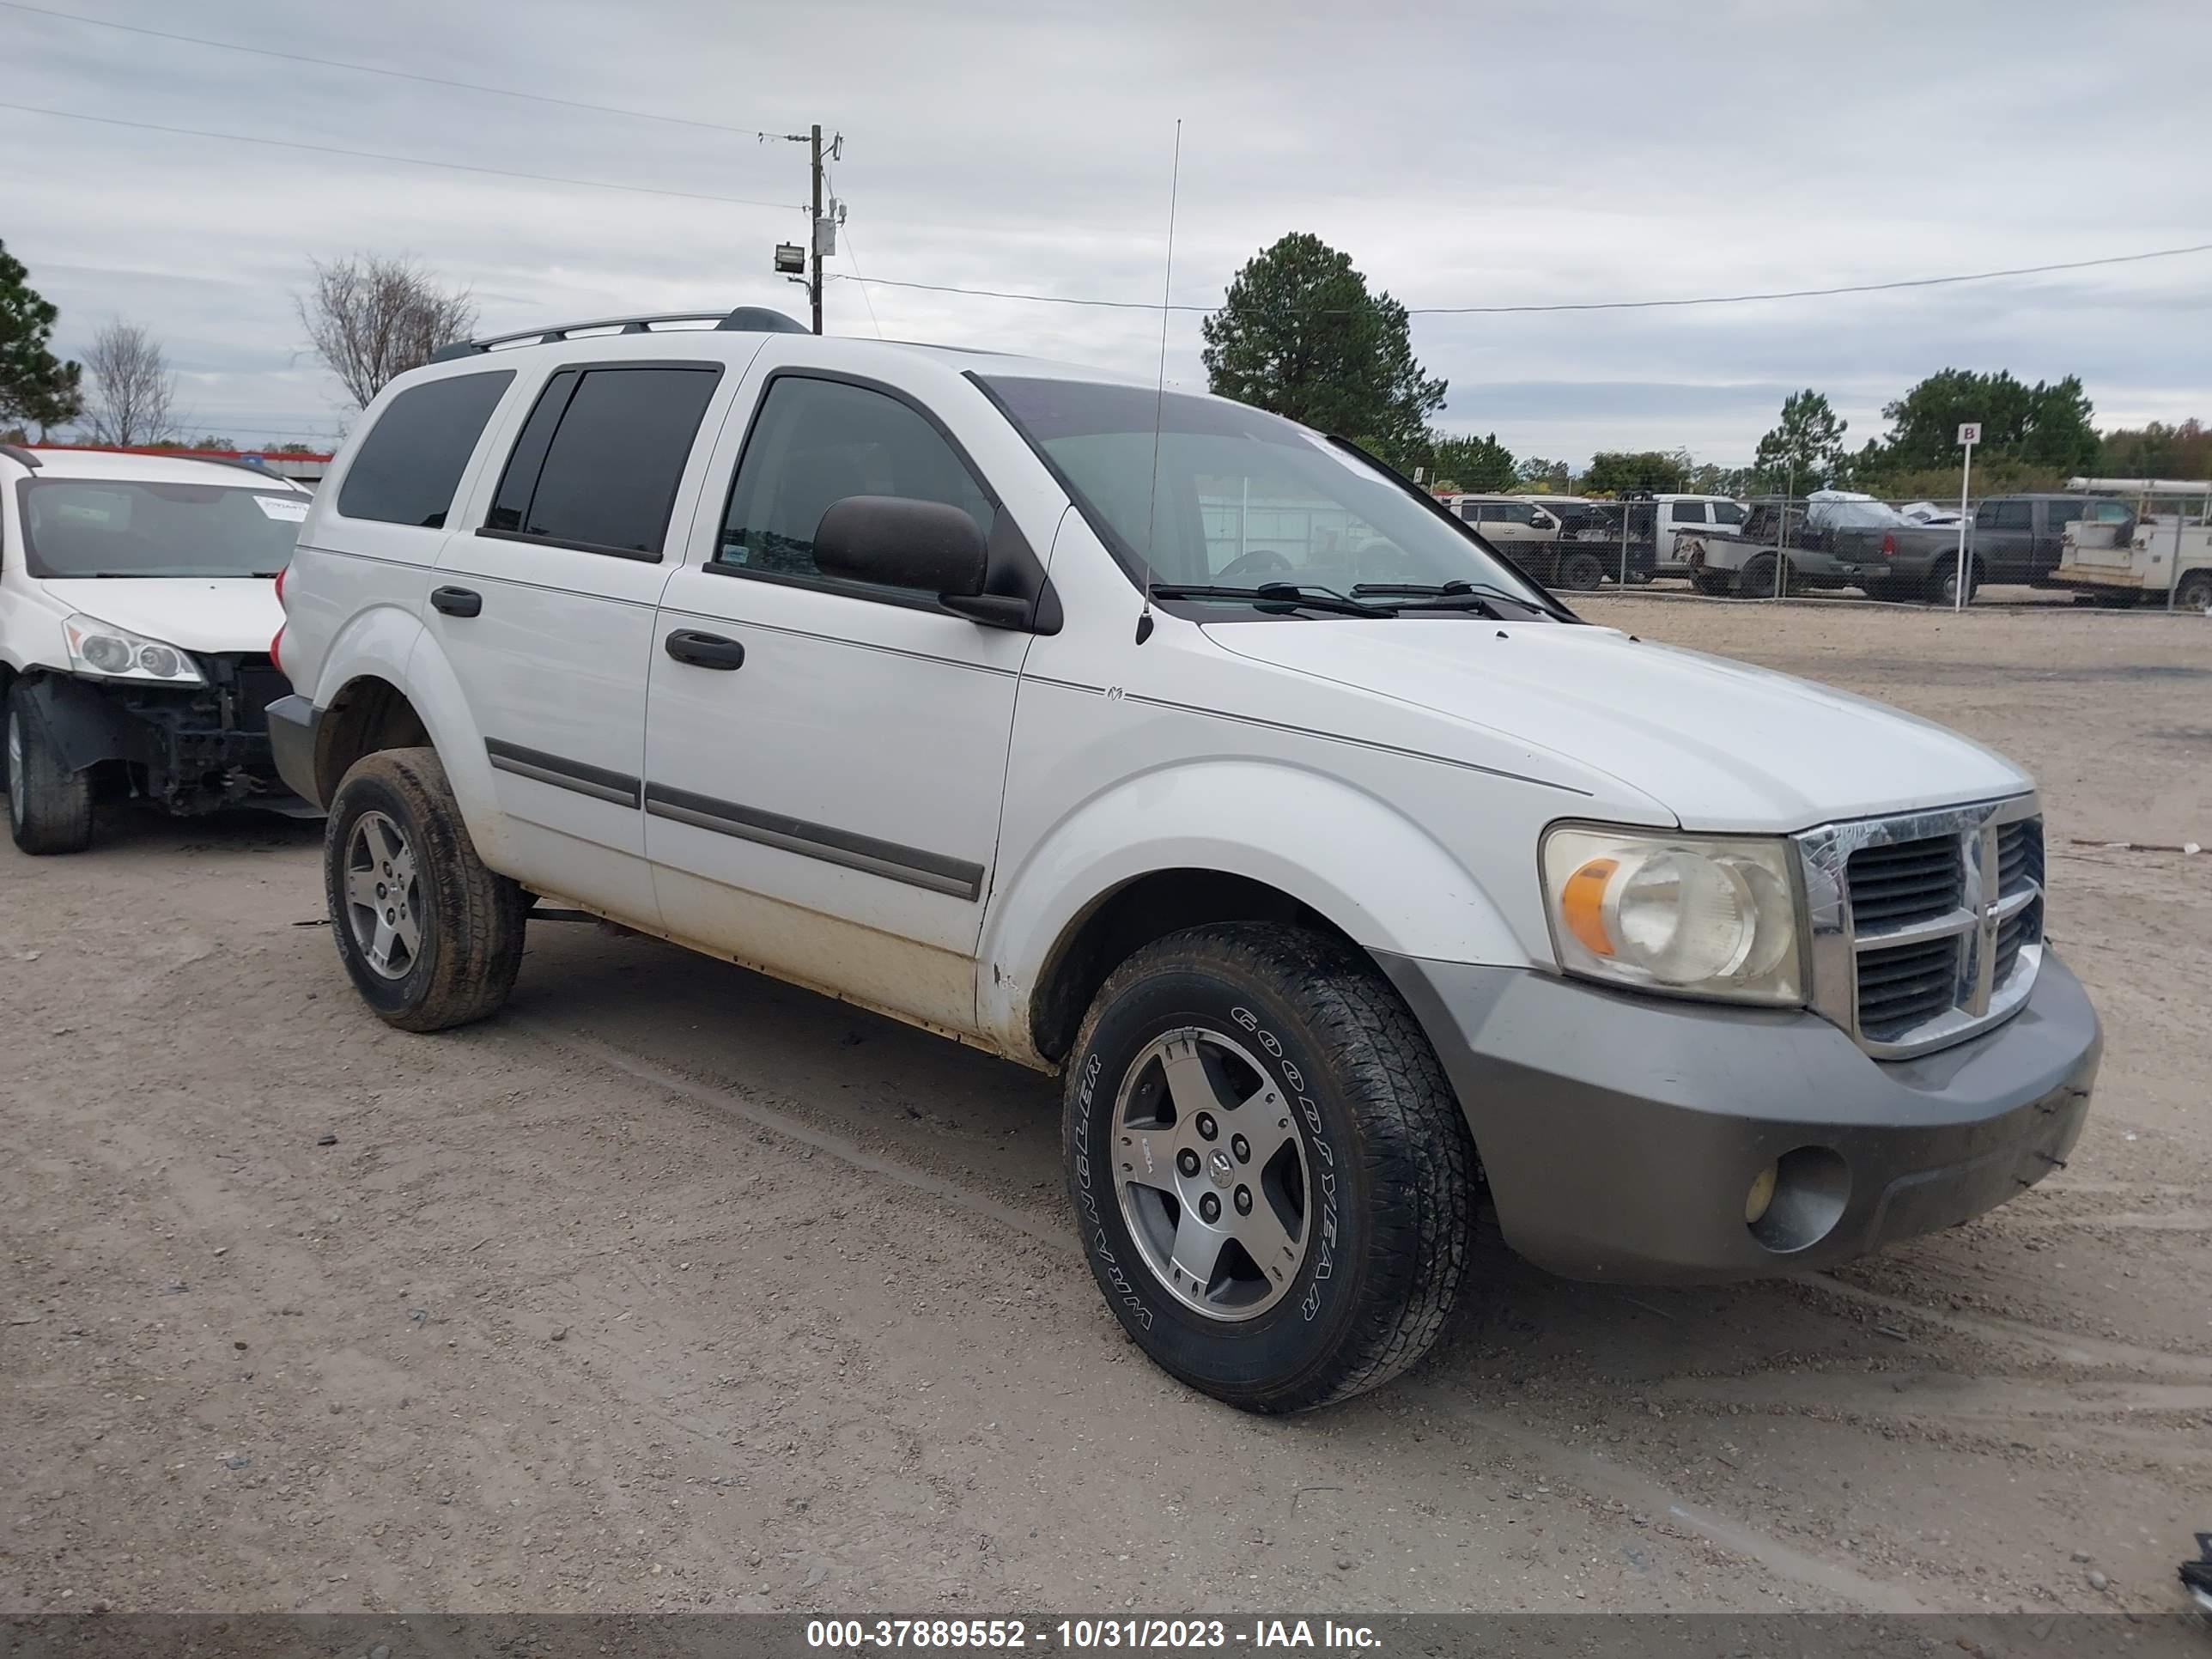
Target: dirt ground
(674, 1288)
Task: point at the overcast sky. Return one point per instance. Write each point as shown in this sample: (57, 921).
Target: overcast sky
(1463, 154)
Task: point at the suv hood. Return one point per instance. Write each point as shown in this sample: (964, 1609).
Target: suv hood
(1722, 744)
(197, 613)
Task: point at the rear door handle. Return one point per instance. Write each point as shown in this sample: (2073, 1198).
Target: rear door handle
(705, 650)
(457, 601)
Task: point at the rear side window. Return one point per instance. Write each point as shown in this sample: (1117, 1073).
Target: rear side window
(598, 462)
(407, 468)
(815, 443)
(1689, 513)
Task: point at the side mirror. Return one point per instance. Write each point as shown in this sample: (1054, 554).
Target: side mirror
(901, 543)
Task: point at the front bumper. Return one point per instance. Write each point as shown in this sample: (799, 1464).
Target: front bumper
(1620, 1134)
(194, 749)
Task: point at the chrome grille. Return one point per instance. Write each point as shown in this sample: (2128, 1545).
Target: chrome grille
(1906, 881)
(1905, 986)
(1926, 927)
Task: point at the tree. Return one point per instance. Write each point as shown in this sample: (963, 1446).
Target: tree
(370, 319)
(1611, 471)
(35, 385)
(1301, 335)
(133, 389)
(1538, 474)
(1807, 448)
(2045, 427)
(1708, 479)
(2157, 450)
(1470, 462)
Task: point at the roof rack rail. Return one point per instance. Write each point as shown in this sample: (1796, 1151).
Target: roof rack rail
(749, 319)
(22, 456)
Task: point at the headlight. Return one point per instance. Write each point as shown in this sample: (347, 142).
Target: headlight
(117, 653)
(1696, 916)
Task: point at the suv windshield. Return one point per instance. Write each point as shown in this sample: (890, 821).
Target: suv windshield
(1244, 497)
(117, 527)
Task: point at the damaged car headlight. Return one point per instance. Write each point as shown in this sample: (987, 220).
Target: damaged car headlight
(117, 653)
(1694, 915)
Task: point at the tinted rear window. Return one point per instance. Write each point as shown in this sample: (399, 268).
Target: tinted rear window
(614, 441)
(409, 466)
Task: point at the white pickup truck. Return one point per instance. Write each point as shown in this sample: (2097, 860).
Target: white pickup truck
(1348, 878)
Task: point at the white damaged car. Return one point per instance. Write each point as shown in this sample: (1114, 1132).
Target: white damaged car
(138, 604)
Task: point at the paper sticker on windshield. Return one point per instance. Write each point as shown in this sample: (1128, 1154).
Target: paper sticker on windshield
(293, 509)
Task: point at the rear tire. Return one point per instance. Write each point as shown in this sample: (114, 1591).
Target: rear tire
(430, 937)
(1713, 584)
(1756, 579)
(1273, 1179)
(49, 806)
(1581, 572)
(2195, 593)
(1943, 581)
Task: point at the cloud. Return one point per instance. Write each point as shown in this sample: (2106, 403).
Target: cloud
(1601, 149)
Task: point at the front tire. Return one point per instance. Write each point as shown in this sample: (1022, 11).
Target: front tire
(1273, 1181)
(49, 806)
(430, 937)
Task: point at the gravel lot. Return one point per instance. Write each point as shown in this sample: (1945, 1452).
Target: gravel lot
(673, 1287)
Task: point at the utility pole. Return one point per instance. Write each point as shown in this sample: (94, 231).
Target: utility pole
(814, 230)
(803, 264)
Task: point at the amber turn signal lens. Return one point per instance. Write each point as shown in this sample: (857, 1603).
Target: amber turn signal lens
(1582, 905)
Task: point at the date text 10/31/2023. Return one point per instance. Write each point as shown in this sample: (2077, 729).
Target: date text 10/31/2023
(1086, 1634)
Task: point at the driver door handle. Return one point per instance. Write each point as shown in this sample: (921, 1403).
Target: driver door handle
(457, 601)
(688, 644)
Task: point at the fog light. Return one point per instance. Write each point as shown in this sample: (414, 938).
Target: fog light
(1755, 1201)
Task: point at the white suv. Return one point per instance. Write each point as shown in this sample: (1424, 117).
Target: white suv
(1346, 878)
(137, 598)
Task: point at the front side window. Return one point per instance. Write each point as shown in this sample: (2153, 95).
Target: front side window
(1236, 496)
(408, 467)
(596, 464)
(1727, 513)
(111, 527)
(2015, 515)
(816, 442)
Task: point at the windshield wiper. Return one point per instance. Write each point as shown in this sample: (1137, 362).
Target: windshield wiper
(1278, 597)
(1450, 595)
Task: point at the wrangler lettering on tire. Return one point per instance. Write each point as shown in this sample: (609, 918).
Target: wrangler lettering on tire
(1273, 1180)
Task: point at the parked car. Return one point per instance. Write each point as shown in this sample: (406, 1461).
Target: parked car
(2164, 559)
(1679, 519)
(1346, 878)
(1786, 546)
(2014, 539)
(1537, 540)
(136, 604)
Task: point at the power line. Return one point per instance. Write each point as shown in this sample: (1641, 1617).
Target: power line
(397, 75)
(1590, 304)
(405, 161)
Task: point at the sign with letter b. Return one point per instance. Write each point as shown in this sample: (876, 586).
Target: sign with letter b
(1970, 433)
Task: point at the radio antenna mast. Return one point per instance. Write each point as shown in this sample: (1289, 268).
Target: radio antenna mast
(1160, 393)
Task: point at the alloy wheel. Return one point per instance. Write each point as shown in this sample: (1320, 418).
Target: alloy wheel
(383, 896)
(1212, 1174)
